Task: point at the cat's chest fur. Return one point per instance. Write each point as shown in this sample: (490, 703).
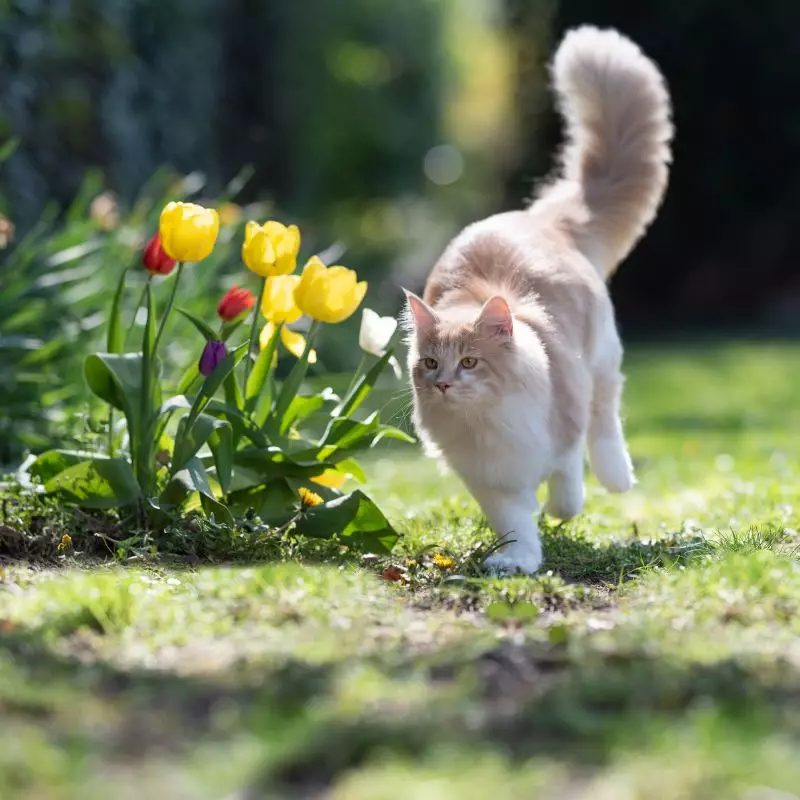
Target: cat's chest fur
(505, 446)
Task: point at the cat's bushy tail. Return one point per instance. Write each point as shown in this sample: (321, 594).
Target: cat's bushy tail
(614, 164)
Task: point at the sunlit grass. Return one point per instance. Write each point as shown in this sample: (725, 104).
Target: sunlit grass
(655, 656)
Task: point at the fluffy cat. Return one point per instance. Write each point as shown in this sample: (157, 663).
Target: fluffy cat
(514, 352)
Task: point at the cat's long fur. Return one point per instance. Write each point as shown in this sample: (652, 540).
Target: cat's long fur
(522, 297)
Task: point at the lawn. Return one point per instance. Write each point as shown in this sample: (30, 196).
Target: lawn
(657, 655)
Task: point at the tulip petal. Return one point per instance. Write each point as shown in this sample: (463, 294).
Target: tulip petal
(295, 343)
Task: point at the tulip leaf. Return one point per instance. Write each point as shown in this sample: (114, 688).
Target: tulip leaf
(293, 381)
(275, 501)
(97, 483)
(256, 465)
(238, 421)
(355, 518)
(52, 462)
(261, 370)
(221, 443)
(363, 386)
(301, 407)
(191, 478)
(189, 378)
(203, 327)
(116, 334)
(194, 433)
(117, 379)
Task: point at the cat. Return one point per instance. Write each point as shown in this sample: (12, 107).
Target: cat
(514, 352)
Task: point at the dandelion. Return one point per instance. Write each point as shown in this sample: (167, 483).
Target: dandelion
(443, 562)
(309, 498)
(65, 543)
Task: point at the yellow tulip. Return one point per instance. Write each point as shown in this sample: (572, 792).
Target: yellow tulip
(331, 478)
(293, 341)
(329, 294)
(271, 248)
(188, 231)
(278, 304)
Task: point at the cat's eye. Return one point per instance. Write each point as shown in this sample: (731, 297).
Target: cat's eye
(468, 362)
(430, 363)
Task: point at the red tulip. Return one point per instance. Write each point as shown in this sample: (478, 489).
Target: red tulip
(154, 258)
(235, 301)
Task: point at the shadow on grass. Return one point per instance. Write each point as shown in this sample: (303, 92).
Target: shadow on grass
(572, 703)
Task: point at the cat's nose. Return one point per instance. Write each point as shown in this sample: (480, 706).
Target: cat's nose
(442, 387)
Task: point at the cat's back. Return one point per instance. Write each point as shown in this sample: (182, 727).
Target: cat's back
(531, 262)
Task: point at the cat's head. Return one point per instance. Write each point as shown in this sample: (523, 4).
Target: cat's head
(460, 357)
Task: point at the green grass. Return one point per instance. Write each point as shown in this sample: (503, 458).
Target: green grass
(656, 656)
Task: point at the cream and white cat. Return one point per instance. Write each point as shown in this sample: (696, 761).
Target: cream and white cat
(514, 349)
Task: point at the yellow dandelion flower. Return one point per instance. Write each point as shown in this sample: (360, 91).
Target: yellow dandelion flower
(65, 543)
(309, 498)
(443, 562)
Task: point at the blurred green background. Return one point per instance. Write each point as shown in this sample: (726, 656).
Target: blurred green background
(381, 128)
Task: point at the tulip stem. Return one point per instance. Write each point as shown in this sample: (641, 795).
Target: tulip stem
(135, 315)
(168, 309)
(254, 332)
(357, 374)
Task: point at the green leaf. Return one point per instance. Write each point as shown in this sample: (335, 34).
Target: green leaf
(511, 612)
(189, 378)
(8, 148)
(51, 463)
(274, 502)
(349, 466)
(214, 508)
(221, 443)
(98, 483)
(356, 396)
(192, 435)
(238, 422)
(254, 466)
(203, 327)
(116, 379)
(115, 340)
(302, 406)
(261, 370)
(294, 380)
(357, 520)
(191, 478)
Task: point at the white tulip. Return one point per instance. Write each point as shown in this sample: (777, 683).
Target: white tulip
(375, 334)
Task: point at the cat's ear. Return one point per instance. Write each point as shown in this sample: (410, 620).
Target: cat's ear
(495, 318)
(422, 316)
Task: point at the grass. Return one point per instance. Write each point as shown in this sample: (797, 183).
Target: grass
(656, 656)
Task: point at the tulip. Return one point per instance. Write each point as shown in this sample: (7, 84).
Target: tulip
(235, 302)
(213, 353)
(375, 334)
(329, 294)
(293, 341)
(278, 304)
(331, 478)
(270, 249)
(188, 231)
(154, 258)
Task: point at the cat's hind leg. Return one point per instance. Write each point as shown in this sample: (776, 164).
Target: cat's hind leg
(565, 484)
(608, 453)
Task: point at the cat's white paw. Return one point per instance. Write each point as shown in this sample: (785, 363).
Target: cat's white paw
(514, 558)
(612, 464)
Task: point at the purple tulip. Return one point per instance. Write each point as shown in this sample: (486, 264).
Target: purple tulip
(213, 353)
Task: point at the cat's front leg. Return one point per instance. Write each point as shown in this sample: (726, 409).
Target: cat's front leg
(512, 515)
